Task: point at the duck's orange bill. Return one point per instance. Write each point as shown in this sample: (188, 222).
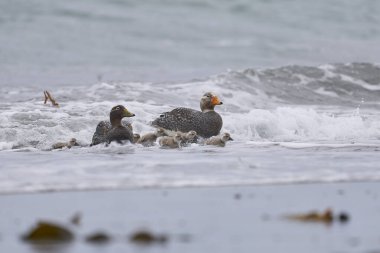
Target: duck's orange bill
(215, 101)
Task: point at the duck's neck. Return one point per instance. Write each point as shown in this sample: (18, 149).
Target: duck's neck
(204, 110)
(206, 107)
(115, 122)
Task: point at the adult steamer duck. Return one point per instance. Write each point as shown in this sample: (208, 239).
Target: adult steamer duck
(206, 122)
(115, 129)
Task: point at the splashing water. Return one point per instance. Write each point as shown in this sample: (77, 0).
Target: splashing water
(317, 122)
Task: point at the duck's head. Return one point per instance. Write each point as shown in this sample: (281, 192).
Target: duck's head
(191, 135)
(177, 138)
(117, 113)
(226, 137)
(73, 142)
(209, 101)
(160, 132)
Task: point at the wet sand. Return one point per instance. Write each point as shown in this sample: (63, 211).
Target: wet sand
(220, 219)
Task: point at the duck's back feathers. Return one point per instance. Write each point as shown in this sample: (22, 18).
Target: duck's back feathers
(103, 127)
(181, 119)
(119, 134)
(100, 133)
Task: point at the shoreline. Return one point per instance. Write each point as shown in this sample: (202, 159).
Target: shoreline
(189, 187)
(218, 219)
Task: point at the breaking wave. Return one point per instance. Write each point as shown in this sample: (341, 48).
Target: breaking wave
(330, 103)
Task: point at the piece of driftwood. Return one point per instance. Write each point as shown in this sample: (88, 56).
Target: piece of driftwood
(314, 216)
(49, 97)
(325, 217)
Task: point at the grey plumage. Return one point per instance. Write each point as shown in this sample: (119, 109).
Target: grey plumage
(100, 133)
(119, 134)
(102, 129)
(114, 130)
(206, 123)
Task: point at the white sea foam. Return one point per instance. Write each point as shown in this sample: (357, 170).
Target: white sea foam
(252, 110)
(302, 124)
(42, 125)
(278, 116)
(286, 129)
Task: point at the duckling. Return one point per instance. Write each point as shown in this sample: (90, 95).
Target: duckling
(189, 137)
(170, 141)
(149, 139)
(119, 132)
(219, 140)
(72, 142)
(136, 138)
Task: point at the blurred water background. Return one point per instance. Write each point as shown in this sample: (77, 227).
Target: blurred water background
(299, 81)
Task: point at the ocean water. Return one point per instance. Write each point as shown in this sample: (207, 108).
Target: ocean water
(300, 83)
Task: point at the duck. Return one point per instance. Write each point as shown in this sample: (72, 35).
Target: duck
(71, 143)
(103, 127)
(171, 141)
(118, 131)
(189, 137)
(150, 138)
(205, 123)
(100, 133)
(136, 137)
(219, 140)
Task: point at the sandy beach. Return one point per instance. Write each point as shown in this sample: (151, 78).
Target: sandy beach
(296, 84)
(219, 219)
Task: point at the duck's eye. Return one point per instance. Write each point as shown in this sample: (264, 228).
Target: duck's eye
(208, 96)
(117, 108)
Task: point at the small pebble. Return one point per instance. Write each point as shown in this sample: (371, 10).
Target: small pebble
(237, 196)
(76, 219)
(146, 237)
(98, 237)
(343, 217)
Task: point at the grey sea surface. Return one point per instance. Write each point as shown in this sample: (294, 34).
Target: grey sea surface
(300, 82)
(50, 43)
(300, 85)
(290, 125)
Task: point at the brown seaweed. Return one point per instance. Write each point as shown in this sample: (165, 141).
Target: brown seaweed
(48, 232)
(98, 238)
(145, 237)
(324, 217)
(49, 97)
